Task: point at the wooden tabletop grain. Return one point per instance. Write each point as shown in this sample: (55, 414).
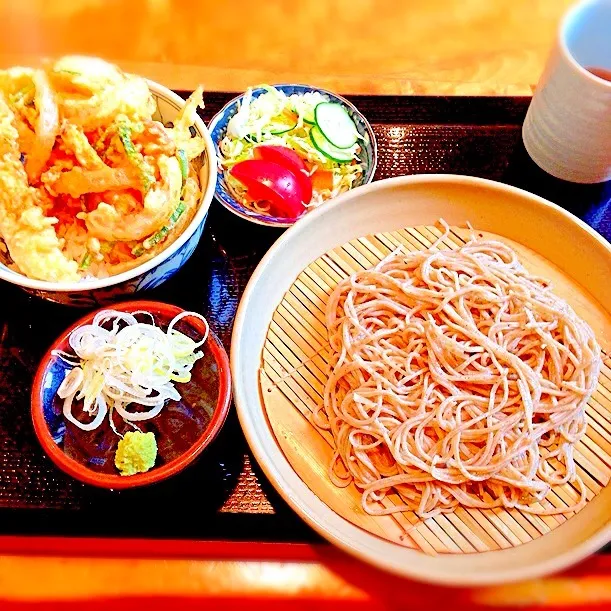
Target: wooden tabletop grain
(461, 47)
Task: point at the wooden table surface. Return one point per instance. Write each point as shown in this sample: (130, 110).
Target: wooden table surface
(468, 47)
(449, 47)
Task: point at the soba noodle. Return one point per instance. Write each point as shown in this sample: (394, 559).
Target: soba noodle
(457, 378)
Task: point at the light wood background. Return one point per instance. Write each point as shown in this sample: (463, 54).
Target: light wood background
(468, 47)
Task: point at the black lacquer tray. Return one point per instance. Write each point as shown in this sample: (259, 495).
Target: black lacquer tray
(224, 495)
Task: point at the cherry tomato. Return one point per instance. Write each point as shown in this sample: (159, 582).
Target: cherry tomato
(289, 159)
(269, 181)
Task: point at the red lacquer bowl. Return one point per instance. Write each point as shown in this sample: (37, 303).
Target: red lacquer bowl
(69, 454)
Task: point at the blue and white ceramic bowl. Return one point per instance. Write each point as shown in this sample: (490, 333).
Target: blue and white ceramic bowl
(92, 293)
(218, 129)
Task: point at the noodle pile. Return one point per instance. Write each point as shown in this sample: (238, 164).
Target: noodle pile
(456, 378)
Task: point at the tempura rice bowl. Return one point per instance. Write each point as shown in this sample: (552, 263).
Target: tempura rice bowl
(90, 292)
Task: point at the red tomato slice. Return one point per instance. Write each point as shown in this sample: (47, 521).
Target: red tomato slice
(269, 181)
(282, 155)
(289, 159)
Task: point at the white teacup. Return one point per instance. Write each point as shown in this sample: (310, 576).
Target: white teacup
(567, 130)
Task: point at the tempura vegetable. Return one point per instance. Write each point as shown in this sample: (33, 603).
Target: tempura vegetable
(17, 83)
(91, 92)
(29, 235)
(79, 181)
(91, 181)
(75, 141)
(47, 127)
(135, 157)
(181, 132)
(127, 219)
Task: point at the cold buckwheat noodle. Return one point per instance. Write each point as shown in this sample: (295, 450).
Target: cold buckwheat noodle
(456, 378)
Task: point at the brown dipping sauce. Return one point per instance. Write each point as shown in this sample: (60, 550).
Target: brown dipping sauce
(602, 73)
(177, 427)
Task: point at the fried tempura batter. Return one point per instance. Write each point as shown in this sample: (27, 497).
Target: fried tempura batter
(92, 182)
(29, 235)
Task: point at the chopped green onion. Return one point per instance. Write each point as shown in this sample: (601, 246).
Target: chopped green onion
(134, 156)
(156, 238)
(106, 247)
(85, 261)
(161, 234)
(184, 164)
(177, 213)
(24, 95)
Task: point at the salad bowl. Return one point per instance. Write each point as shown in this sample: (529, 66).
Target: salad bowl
(218, 128)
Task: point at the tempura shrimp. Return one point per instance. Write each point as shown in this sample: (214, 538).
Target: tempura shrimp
(75, 141)
(91, 92)
(29, 235)
(122, 216)
(154, 140)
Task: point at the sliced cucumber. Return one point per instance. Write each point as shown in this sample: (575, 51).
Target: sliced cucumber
(336, 124)
(327, 149)
(304, 105)
(308, 116)
(278, 126)
(282, 124)
(306, 111)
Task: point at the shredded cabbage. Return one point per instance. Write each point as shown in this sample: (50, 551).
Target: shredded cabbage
(130, 362)
(251, 126)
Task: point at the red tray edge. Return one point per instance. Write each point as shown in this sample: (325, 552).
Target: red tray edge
(95, 547)
(159, 548)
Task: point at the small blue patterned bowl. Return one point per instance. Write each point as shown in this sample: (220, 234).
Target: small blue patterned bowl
(152, 273)
(218, 129)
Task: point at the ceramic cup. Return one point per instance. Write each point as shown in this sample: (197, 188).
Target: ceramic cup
(567, 130)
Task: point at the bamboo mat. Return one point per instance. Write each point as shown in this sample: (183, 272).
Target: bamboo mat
(294, 370)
